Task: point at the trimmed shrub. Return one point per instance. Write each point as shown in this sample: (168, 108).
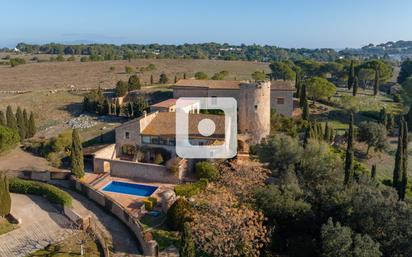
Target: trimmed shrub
(150, 203)
(206, 170)
(51, 193)
(179, 213)
(189, 190)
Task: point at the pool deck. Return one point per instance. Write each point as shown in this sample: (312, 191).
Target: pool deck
(132, 202)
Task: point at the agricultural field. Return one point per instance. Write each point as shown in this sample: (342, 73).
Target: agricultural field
(63, 75)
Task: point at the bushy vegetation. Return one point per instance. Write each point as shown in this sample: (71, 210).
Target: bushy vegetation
(16, 61)
(178, 214)
(55, 149)
(51, 193)
(190, 189)
(206, 170)
(9, 138)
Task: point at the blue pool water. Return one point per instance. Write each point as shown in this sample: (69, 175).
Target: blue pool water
(129, 188)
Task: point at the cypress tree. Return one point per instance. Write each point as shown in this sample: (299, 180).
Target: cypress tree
(326, 135)
(376, 83)
(187, 245)
(404, 164)
(184, 75)
(383, 117)
(3, 121)
(118, 107)
(130, 109)
(106, 107)
(10, 118)
(409, 117)
(355, 86)
(351, 75)
(20, 124)
(397, 170)
(373, 171)
(305, 112)
(391, 123)
(31, 128)
(349, 153)
(303, 97)
(151, 79)
(5, 199)
(306, 136)
(77, 155)
(297, 85)
(175, 79)
(26, 121)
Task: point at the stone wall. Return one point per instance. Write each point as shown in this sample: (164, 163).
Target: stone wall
(136, 170)
(286, 108)
(149, 247)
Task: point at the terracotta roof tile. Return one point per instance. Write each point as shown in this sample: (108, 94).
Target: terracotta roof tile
(165, 104)
(280, 85)
(164, 124)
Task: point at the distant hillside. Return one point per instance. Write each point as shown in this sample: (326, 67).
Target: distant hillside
(395, 50)
(212, 51)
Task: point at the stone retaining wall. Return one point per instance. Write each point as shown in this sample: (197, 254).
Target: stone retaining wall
(149, 247)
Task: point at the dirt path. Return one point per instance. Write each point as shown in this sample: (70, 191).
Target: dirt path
(19, 160)
(124, 243)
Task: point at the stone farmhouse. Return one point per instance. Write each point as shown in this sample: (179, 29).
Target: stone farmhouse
(145, 146)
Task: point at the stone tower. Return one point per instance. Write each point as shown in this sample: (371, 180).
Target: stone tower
(254, 110)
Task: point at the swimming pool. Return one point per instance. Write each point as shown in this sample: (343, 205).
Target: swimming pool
(129, 188)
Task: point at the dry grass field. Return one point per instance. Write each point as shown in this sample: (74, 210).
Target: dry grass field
(61, 75)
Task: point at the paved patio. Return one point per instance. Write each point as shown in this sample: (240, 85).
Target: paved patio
(41, 225)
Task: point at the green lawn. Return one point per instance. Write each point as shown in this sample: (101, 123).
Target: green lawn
(6, 226)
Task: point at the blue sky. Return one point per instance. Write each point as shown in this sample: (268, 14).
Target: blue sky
(287, 23)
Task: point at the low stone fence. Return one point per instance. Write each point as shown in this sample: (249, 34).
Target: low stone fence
(44, 176)
(136, 170)
(148, 246)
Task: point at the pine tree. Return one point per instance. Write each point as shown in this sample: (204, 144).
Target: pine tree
(303, 97)
(20, 124)
(10, 118)
(5, 199)
(373, 171)
(349, 153)
(31, 128)
(355, 86)
(187, 245)
(305, 112)
(404, 164)
(151, 79)
(3, 121)
(351, 75)
(376, 83)
(118, 107)
(77, 155)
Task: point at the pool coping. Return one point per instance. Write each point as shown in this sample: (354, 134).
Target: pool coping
(137, 196)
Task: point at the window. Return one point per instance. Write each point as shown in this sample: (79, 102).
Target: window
(162, 141)
(172, 142)
(256, 107)
(127, 135)
(154, 140)
(280, 100)
(146, 139)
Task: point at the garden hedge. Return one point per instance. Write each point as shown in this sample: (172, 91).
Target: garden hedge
(51, 193)
(189, 190)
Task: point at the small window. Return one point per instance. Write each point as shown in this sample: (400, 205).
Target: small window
(146, 139)
(256, 107)
(280, 100)
(127, 135)
(154, 140)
